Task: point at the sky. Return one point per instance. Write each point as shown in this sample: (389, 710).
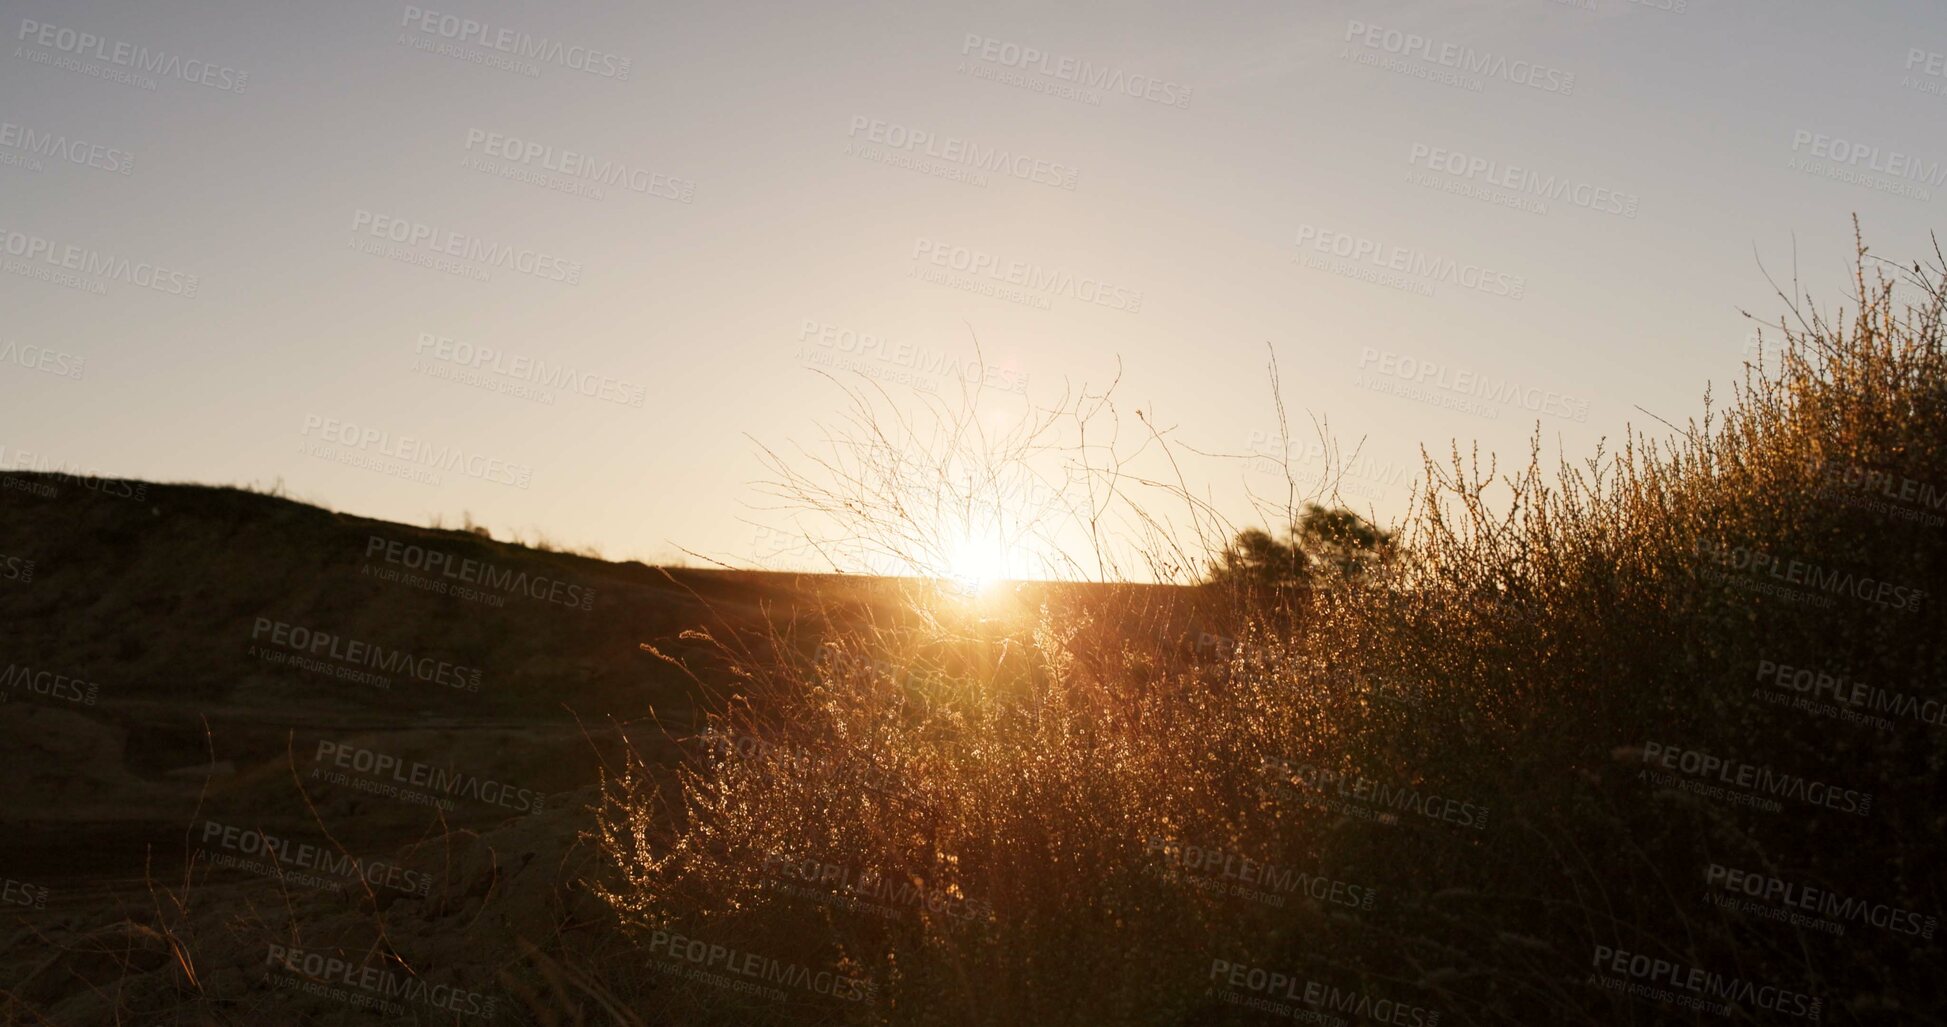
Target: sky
(593, 257)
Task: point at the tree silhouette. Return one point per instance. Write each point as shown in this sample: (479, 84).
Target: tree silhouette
(1325, 545)
(1256, 560)
(1342, 541)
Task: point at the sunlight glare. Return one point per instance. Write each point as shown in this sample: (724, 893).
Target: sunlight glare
(977, 563)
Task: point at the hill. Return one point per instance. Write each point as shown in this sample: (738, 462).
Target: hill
(152, 630)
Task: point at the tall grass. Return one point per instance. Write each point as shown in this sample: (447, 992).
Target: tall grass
(1429, 787)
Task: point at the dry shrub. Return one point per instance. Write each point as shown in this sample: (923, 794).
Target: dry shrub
(1031, 783)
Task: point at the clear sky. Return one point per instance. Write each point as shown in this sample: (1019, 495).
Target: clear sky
(1553, 203)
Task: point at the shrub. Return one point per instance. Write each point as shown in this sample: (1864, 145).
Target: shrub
(1058, 806)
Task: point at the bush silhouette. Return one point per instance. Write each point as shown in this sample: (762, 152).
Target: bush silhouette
(1325, 545)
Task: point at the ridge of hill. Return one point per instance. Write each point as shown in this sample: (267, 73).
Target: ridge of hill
(175, 651)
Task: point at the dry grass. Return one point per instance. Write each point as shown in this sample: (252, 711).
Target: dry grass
(1026, 787)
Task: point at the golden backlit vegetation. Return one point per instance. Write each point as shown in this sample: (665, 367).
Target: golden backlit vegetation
(1420, 779)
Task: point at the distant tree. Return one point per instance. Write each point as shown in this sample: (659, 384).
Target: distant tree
(1256, 560)
(1346, 543)
(1324, 545)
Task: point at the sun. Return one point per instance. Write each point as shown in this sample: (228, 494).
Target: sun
(977, 562)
